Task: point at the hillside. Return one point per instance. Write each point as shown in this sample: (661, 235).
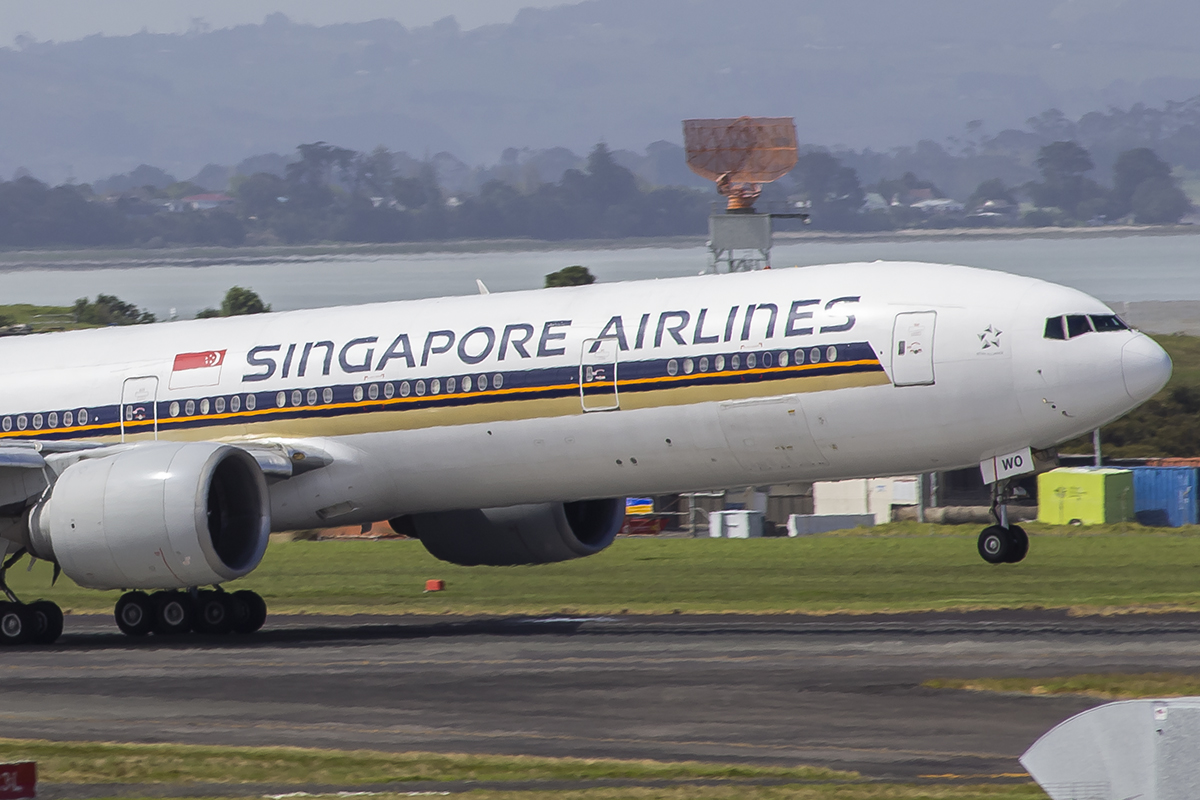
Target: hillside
(877, 73)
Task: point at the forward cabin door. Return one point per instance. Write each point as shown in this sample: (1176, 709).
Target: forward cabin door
(912, 348)
(598, 375)
(139, 404)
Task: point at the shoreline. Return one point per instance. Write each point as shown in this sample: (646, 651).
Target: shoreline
(103, 258)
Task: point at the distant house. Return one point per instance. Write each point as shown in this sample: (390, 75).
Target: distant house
(941, 206)
(204, 202)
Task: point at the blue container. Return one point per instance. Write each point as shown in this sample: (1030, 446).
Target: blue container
(1165, 497)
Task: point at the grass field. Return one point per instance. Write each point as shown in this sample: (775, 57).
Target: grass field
(89, 762)
(183, 765)
(1116, 686)
(893, 568)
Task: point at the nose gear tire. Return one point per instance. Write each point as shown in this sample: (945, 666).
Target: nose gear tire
(996, 545)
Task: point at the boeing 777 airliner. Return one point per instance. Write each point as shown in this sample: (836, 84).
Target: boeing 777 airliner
(508, 428)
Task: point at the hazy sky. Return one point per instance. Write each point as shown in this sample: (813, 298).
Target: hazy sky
(63, 20)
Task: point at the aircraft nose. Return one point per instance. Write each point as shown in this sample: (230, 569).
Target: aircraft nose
(1145, 366)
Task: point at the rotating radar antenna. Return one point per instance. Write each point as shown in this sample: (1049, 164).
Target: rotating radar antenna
(740, 155)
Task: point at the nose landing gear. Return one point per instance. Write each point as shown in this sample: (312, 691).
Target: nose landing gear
(1003, 543)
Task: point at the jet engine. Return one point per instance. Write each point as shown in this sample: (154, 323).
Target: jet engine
(526, 534)
(157, 515)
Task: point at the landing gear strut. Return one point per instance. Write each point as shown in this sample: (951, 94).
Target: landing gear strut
(40, 622)
(171, 612)
(1002, 543)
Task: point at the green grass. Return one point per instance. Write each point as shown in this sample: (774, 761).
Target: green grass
(893, 568)
(87, 762)
(874, 791)
(40, 317)
(1117, 686)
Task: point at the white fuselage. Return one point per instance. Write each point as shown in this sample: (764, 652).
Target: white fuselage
(468, 402)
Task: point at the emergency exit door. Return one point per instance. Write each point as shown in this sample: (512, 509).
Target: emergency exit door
(139, 406)
(912, 348)
(598, 375)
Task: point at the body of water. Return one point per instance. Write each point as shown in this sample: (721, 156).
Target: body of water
(1127, 268)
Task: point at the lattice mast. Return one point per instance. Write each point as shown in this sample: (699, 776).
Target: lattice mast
(740, 155)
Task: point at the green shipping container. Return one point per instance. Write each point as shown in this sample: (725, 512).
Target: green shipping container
(1087, 496)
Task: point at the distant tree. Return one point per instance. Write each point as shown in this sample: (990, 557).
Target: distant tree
(1064, 185)
(374, 172)
(110, 310)
(1142, 184)
(1158, 201)
(899, 189)
(239, 301)
(570, 276)
(208, 313)
(993, 189)
(183, 189)
(258, 195)
(833, 190)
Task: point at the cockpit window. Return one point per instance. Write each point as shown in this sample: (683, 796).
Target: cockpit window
(1108, 322)
(1077, 325)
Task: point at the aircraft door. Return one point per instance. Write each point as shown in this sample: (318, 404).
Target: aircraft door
(598, 375)
(912, 348)
(139, 404)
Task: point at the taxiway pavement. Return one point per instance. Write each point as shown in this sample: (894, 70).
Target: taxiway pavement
(844, 692)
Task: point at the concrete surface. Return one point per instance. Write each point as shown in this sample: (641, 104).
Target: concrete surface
(838, 691)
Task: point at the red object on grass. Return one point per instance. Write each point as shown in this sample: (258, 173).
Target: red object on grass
(430, 586)
(18, 781)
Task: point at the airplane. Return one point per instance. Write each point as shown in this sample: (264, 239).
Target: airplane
(507, 428)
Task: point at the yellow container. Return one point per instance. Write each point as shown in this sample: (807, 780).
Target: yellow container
(1085, 496)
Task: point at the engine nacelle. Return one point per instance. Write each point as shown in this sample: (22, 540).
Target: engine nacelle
(528, 534)
(156, 516)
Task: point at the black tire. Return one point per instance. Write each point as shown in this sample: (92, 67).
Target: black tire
(47, 621)
(995, 544)
(135, 614)
(173, 613)
(17, 625)
(252, 614)
(215, 613)
(1020, 544)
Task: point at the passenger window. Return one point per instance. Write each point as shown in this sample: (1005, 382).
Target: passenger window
(1077, 325)
(1054, 328)
(1108, 322)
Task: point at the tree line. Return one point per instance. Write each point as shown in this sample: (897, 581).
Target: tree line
(330, 193)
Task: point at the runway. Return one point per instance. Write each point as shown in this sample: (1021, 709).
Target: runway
(843, 692)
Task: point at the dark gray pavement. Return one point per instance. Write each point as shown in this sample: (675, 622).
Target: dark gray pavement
(838, 691)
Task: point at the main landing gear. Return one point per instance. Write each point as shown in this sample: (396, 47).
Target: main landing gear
(1002, 543)
(40, 622)
(204, 611)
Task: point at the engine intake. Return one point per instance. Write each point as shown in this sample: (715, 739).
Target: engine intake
(156, 516)
(527, 534)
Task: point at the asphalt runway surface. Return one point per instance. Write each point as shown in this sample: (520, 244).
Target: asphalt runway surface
(843, 692)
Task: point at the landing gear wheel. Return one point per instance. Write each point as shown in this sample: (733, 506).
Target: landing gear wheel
(215, 613)
(17, 625)
(135, 614)
(47, 621)
(1020, 543)
(251, 612)
(996, 544)
(173, 613)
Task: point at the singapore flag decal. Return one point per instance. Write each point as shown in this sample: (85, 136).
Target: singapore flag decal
(197, 369)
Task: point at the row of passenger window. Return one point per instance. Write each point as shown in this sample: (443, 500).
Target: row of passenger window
(1072, 325)
(314, 397)
(51, 421)
(753, 360)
